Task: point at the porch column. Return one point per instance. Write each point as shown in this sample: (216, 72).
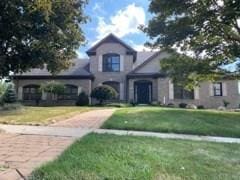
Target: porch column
(121, 93)
(20, 93)
(44, 95)
(89, 91)
(79, 90)
(196, 93)
(171, 90)
(158, 90)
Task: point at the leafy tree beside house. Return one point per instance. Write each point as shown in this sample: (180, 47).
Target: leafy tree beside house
(53, 88)
(38, 32)
(206, 31)
(103, 93)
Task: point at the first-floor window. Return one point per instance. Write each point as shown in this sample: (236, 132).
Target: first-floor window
(70, 93)
(31, 92)
(217, 89)
(181, 93)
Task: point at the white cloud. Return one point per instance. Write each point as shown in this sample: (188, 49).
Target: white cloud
(98, 8)
(81, 55)
(125, 21)
(141, 47)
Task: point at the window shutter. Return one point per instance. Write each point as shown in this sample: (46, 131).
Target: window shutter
(224, 89)
(121, 63)
(196, 93)
(211, 89)
(171, 90)
(100, 63)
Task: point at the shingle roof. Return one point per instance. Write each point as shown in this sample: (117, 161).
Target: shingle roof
(142, 56)
(80, 68)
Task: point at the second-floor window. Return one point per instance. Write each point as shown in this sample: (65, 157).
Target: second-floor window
(111, 63)
(217, 89)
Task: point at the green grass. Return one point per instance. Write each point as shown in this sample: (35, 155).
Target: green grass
(39, 115)
(113, 157)
(200, 122)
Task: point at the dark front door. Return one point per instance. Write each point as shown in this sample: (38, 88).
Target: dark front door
(143, 92)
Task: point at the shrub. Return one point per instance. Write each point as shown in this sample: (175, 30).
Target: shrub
(12, 106)
(170, 105)
(3, 88)
(182, 105)
(118, 105)
(191, 106)
(200, 107)
(225, 103)
(82, 99)
(10, 95)
(133, 103)
(103, 93)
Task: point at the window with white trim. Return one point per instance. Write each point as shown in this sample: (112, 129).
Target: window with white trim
(111, 62)
(217, 89)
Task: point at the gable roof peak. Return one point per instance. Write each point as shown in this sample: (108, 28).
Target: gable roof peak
(110, 38)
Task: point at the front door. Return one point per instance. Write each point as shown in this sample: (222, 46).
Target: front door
(143, 92)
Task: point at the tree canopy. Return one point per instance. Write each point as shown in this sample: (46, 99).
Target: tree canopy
(209, 30)
(39, 32)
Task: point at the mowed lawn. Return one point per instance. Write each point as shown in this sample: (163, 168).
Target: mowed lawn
(143, 158)
(40, 115)
(200, 122)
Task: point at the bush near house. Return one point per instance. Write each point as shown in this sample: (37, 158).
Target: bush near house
(3, 88)
(10, 95)
(182, 105)
(82, 100)
(103, 93)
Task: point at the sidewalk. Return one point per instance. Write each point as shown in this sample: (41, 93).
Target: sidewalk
(79, 132)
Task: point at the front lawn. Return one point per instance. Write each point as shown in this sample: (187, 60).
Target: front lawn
(40, 115)
(200, 122)
(143, 158)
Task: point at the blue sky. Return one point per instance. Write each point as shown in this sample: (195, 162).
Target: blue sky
(121, 17)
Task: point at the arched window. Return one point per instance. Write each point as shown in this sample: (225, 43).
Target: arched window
(31, 92)
(111, 62)
(115, 85)
(70, 93)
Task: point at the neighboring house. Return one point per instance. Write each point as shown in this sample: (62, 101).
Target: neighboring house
(136, 76)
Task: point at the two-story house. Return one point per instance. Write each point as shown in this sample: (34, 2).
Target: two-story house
(136, 76)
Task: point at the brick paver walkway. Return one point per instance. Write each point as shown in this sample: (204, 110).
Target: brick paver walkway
(27, 147)
(91, 119)
(26, 152)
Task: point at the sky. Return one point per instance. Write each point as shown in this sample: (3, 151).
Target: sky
(120, 17)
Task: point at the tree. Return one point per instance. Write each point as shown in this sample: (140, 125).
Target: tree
(10, 94)
(82, 99)
(209, 30)
(34, 33)
(53, 88)
(103, 93)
